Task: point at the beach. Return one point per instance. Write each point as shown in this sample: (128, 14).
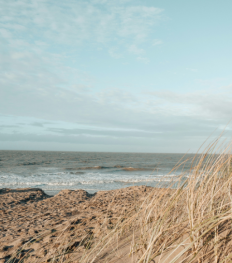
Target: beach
(188, 221)
(72, 218)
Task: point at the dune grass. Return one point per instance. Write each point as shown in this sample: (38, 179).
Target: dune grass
(192, 223)
(189, 221)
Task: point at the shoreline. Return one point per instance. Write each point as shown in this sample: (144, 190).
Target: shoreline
(29, 212)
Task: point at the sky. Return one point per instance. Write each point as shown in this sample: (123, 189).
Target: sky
(114, 76)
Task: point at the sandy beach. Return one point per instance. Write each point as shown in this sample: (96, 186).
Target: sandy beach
(72, 218)
(190, 223)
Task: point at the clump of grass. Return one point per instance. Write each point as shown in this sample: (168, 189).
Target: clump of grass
(189, 221)
(192, 223)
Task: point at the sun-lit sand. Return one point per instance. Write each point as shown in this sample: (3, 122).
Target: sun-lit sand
(70, 218)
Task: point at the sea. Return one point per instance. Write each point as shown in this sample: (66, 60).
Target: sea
(90, 171)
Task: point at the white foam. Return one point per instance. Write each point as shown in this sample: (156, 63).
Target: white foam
(57, 179)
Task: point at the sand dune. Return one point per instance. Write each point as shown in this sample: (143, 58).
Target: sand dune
(70, 218)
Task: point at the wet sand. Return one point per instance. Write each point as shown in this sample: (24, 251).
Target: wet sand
(69, 219)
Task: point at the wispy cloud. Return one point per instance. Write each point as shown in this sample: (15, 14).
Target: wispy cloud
(157, 42)
(207, 104)
(135, 50)
(75, 22)
(143, 59)
(115, 53)
(36, 38)
(114, 117)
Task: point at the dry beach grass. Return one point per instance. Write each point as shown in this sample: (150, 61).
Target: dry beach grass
(191, 222)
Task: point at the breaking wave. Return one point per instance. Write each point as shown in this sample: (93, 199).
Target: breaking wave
(78, 182)
(119, 167)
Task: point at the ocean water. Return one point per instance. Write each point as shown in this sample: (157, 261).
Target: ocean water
(90, 171)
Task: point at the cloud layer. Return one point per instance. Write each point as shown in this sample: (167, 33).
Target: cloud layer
(48, 96)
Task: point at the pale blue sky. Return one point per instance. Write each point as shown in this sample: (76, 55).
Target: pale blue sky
(120, 75)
